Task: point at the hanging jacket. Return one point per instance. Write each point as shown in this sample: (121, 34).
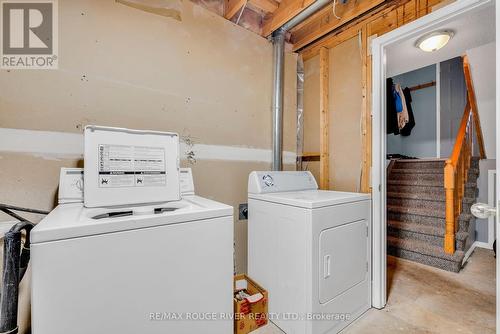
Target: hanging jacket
(391, 113)
(403, 116)
(397, 99)
(406, 131)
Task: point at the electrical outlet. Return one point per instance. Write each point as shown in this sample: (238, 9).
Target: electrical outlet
(243, 211)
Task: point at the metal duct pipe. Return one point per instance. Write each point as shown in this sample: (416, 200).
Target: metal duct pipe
(313, 8)
(278, 70)
(278, 39)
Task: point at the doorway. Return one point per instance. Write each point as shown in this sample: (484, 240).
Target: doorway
(387, 56)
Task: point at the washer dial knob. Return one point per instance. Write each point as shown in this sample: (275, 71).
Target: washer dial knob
(268, 180)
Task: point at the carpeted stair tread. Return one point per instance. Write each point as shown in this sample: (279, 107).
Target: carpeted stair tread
(424, 196)
(429, 191)
(424, 212)
(424, 248)
(412, 164)
(439, 184)
(464, 220)
(426, 170)
(423, 229)
(416, 212)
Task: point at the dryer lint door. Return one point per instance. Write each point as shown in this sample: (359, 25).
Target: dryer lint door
(343, 259)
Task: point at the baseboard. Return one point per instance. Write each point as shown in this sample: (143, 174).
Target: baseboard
(481, 244)
(469, 252)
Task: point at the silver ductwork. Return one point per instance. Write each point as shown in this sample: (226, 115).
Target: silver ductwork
(278, 39)
(278, 70)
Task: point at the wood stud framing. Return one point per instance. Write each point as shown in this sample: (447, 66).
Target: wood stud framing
(377, 21)
(325, 21)
(324, 78)
(287, 10)
(267, 6)
(366, 117)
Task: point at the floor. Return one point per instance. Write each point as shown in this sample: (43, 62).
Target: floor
(423, 299)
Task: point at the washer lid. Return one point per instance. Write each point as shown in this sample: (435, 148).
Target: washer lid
(130, 167)
(74, 220)
(311, 199)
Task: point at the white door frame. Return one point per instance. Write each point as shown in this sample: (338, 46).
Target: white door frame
(497, 92)
(416, 28)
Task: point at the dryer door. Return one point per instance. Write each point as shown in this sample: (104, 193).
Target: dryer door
(343, 257)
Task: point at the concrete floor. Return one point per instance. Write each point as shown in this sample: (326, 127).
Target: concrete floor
(423, 299)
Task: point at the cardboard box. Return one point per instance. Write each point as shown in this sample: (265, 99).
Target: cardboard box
(251, 313)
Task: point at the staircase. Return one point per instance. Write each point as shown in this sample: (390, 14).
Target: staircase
(416, 212)
(429, 201)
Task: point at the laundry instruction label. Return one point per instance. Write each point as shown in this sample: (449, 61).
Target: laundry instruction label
(131, 166)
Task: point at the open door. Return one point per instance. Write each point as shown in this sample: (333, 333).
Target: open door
(432, 22)
(497, 188)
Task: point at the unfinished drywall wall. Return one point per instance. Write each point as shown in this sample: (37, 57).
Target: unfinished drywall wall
(311, 113)
(196, 74)
(345, 107)
(482, 63)
(453, 98)
(345, 116)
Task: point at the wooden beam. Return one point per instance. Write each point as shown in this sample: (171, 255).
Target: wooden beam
(365, 112)
(231, 7)
(325, 21)
(287, 10)
(324, 80)
(473, 104)
(350, 29)
(267, 6)
(310, 156)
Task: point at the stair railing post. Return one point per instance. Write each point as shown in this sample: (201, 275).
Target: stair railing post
(449, 185)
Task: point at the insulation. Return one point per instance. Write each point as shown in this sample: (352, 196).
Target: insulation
(300, 110)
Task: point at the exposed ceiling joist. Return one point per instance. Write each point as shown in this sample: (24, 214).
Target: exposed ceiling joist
(352, 28)
(231, 7)
(267, 6)
(325, 21)
(287, 10)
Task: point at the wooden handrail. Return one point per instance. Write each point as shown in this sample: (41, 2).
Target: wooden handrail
(456, 169)
(455, 154)
(471, 98)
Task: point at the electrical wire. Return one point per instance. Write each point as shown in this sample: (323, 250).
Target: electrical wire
(334, 10)
(241, 12)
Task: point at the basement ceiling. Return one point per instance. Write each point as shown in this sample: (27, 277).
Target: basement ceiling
(265, 16)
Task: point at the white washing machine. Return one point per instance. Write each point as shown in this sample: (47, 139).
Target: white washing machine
(162, 268)
(311, 250)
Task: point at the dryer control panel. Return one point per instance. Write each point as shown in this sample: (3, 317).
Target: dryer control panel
(279, 181)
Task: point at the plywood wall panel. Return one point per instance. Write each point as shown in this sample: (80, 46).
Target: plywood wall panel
(346, 100)
(311, 112)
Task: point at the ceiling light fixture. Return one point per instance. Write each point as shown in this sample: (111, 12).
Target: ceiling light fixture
(434, 41)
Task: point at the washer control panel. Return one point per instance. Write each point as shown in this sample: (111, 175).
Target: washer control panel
(274, 181)
(70, 185)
